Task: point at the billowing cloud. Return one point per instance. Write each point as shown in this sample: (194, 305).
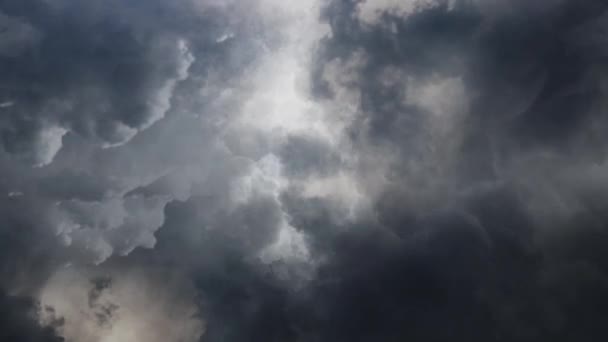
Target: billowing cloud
(369, 170)
(66, 68)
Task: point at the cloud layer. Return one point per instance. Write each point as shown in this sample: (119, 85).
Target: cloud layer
(335, 170)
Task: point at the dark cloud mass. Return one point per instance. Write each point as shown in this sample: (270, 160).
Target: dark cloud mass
(18, 322)
(313, 171)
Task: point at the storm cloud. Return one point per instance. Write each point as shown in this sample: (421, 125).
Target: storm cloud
(322, 170)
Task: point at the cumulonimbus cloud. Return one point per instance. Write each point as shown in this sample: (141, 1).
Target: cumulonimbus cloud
(338, 170)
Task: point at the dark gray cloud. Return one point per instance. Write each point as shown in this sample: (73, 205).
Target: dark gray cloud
(80, 82)
(483, 229)
(463, 251)
(77, 77)
(18, 321)
(304, 156)
(370, 171)
(72, 72)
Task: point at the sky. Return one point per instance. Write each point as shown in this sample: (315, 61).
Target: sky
(303, 171)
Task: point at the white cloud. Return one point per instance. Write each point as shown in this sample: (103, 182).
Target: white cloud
(94, 231)
(47, 144)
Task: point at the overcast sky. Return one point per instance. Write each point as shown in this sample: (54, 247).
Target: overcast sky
(303, 171)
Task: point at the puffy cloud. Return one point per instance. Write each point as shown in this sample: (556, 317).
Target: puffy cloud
(83, 69)
(339, 170)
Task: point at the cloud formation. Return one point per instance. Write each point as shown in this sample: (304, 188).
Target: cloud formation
(336, 170)
(67, 68)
